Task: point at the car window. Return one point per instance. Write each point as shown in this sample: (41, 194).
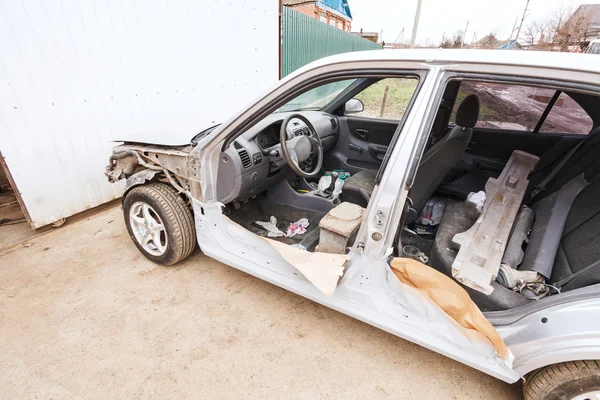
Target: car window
(594, 48)
(318, 97)
(505, 106)
(387, 98)
(566, 116)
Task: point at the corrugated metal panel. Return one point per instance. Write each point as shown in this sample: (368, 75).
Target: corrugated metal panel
(307, 39)
(76, 74)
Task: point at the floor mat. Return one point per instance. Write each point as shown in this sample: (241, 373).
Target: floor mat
(260, 209)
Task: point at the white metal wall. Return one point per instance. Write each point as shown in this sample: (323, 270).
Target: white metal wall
(76, 74)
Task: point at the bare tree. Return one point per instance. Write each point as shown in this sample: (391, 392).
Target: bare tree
(531, 34)
(569, 28)
(457, 39)
(561, 28)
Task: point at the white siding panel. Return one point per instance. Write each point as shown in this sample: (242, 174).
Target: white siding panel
(75, 75)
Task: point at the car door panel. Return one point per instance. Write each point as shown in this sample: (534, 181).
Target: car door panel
(376, 131)
(362, 143)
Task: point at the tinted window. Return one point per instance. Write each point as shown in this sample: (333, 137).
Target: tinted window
(506, 106)
(388, 98)
(567, 117)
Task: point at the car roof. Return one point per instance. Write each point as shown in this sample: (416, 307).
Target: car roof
(526, 58)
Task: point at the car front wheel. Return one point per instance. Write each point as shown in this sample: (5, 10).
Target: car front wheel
(573, 380)
(160, 223)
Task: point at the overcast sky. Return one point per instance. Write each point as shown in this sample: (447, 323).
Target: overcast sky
(448, 16)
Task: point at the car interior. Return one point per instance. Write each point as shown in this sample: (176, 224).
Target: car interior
(326, 148)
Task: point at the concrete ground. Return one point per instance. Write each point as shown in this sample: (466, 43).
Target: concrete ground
(84, 315)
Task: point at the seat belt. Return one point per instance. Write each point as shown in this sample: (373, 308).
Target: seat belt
(539, 188)
(569, 278)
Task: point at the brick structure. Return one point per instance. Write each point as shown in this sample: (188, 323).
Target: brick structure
(332, 12)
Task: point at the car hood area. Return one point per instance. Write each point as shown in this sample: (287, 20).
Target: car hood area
(181, 138)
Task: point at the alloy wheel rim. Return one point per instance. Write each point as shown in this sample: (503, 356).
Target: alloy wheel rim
(593, 395)
(148, 229)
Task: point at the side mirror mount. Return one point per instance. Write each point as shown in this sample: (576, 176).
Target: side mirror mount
(354, 106)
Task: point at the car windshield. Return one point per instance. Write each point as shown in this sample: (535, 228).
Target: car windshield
(318, 97)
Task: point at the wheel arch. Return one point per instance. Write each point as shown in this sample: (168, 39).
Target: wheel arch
(140, 178)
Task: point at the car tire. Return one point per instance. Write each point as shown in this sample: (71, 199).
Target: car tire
(569, 380)
(160, 223)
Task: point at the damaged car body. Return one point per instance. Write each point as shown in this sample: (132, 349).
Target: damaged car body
(404, 133)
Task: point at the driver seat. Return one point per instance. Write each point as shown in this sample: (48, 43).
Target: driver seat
(435, 164)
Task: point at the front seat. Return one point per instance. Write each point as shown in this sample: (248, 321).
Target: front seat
(435, 164)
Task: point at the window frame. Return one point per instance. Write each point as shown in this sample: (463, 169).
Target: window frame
(558, 86)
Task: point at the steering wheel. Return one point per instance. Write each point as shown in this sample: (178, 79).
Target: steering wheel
(300, 148)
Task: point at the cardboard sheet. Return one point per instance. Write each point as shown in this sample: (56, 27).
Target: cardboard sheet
(322, 269)
(449, 296)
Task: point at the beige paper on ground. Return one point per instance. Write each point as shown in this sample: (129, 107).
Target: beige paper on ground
(322, 269)
(449, 296)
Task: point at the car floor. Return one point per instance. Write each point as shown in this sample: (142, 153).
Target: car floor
(259, 209)
(84, 315)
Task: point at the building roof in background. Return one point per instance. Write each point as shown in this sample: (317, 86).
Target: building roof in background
(296, 2)
(592, 11)
(340, 7)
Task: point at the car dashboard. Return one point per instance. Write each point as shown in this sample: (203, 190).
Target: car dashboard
(254, 161)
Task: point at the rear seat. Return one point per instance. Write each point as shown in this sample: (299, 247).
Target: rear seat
(578, 245)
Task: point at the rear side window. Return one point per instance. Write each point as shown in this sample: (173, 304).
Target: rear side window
(506, 106)
(567, 117)
(520, 108)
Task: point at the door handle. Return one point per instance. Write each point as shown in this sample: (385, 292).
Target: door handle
(355, 147)
(471, 145)
(362, 133)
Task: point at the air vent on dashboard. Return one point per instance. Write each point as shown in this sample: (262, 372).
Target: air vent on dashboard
(333, 123)
(246, 162)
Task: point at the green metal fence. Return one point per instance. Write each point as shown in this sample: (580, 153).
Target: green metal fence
(306, 39)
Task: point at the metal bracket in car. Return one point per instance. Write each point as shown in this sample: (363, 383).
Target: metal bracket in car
(482, 246)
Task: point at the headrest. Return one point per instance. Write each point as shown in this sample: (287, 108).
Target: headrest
(468, 112)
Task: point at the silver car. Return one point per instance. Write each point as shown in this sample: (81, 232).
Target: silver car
(448, 197)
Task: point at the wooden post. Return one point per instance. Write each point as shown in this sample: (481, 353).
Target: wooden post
(385, 92)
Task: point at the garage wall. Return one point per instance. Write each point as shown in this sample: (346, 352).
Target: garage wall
(75, 75)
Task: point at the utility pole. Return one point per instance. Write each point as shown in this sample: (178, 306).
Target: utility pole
(416, 25)
(513, 29)
(522, 19)
(464, 35)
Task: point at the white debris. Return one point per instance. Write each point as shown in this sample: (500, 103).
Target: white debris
(477, 198)
(271, 227)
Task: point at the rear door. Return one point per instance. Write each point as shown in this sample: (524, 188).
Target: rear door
(514, 117)
(364, 137)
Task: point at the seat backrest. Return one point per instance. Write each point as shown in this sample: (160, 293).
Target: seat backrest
(445, 154)
(579, 163)
(580, 239)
